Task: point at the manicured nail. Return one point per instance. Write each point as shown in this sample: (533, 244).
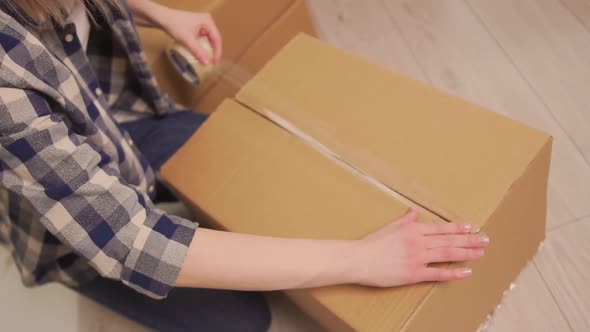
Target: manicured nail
(484, 240)
(479, 253)
(467, 228)
(466, 272)
(475, 230)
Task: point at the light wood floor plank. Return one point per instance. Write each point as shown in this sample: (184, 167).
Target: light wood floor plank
(552, 50)
(517, 313)
(564, 263)
(93, 317)
(580, 9)
(49, 308)
(364, 28)
(458, 55)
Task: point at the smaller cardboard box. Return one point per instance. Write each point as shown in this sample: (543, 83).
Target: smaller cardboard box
(323, 144)
(253, 31)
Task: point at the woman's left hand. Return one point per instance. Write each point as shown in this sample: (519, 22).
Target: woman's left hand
(186, 27)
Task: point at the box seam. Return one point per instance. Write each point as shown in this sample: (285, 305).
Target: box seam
(325, 151)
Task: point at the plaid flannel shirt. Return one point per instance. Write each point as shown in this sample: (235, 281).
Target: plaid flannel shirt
(75, 194)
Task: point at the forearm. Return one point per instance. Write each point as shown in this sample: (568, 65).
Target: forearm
(148, 13)
(227, 260)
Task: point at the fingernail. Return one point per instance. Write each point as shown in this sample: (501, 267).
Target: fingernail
(479, 253)
(466, 272)
(467, 228)
(475, 230)
(484, 240)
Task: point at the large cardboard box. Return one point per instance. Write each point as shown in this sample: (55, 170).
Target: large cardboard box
(253, 31)
(323, 144)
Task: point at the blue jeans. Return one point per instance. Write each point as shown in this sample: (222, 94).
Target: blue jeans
(159, 138)
(185, 309)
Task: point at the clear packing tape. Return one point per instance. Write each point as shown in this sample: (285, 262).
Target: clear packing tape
(189, 67)
(194, 72)
(319, 147)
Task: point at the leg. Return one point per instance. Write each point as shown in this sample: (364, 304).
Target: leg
(184, 309)
(159, 138)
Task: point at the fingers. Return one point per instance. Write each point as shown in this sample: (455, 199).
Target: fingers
(457, 241)
(440, 274)
(438, 255)
(197, 50)
(442, 227)
(209, 30)
(214, 37)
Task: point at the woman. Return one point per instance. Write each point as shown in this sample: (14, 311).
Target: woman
(83, 128)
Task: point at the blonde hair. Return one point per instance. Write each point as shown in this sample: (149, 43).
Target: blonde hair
(43, 12)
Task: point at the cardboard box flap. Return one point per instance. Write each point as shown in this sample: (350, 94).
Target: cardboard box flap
(248, 175)
(440, 151)
(238, 30)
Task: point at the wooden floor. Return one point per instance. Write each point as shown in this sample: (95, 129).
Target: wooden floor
(528, 59)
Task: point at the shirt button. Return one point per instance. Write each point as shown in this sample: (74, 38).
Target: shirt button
(69, 37)
(98, 91)
(151, 188)
(130, 141)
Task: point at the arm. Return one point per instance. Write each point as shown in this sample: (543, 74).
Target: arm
(75, 191)
(181, 25)
(79, 197)
(397, 254)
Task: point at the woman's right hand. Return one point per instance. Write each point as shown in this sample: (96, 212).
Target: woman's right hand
(400, 252)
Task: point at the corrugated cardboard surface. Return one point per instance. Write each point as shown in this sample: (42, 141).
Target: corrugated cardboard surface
(383, 122)
(246, 174)
(516, 229)
(295, 20)
(241, 23)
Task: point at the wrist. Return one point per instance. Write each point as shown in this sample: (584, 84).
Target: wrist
(163, 16)
(345, 265)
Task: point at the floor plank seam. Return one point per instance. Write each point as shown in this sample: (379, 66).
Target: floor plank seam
(566, 223)
(561, 311)
(578, 18)
(528, 82)
(397, 27)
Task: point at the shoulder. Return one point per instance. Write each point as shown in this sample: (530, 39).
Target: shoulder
(10, 28)
(25, 61)
(15, 39)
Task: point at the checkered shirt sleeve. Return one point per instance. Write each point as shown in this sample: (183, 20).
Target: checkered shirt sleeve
(77, 193)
